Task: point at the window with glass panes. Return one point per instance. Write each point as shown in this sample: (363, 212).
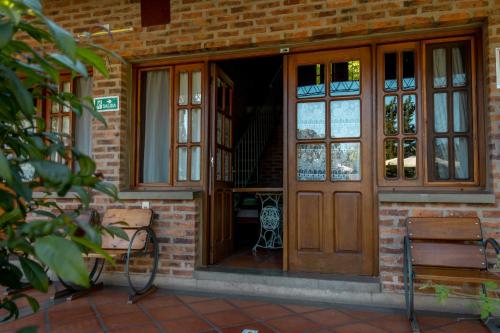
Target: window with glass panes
(427, 119)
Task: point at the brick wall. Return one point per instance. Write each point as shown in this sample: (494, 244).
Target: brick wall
(201, 26)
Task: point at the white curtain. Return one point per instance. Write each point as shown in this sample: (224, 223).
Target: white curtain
(156, 127)
(458, 67)
(439, 67)
(460, 111)
(83, 126)
(440, 113)
(461, 157)
(441, 158)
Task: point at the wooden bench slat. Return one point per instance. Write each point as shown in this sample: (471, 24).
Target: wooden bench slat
(455, 275)
(134, 217)
(116, 243)
(444, 228)
(448, 255)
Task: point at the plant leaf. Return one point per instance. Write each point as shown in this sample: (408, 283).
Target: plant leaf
(64, 258)
(35, 274)
(94, 247)
(93, 59)
(63, 39)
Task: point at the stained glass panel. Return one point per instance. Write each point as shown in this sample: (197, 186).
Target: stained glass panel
(345, 118)
(390, 71)
(345, 78)
(345, 158)
(311, 81)
(409, 80)
(311, 162)
(311, 118)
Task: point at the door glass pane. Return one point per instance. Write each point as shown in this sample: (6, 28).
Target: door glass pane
(196, 87)
(67, 89)
(311, 162)
(227, 100)
(227, 132)
(183, 88)
(66, 129)
(345, 78)
(441, 158)
(409, 114)
(182, 163)
(439, 68)
(219, 128)
(195, 125)
(227, 166)
(461, 150)
(440, 113)
(311, 120)
(345, 118)
(458, 63)
(345, 158)
(460, 111)
(54, 107)
(195, 163)
(391, 115)
(219, 164)
(311, 81)
(183, 125)
(410, 158)
(390, 69)
(220, 94)
(391, 158)
(409, 82)
(54, 124)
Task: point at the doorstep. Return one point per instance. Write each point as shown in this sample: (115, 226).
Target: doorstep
(304, 287)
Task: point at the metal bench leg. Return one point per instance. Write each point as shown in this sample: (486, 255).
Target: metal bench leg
(409, 288)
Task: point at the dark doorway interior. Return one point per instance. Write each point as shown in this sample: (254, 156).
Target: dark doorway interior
(257, 156)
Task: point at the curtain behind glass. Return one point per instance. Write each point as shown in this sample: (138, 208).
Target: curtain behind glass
(83, 125)
(156, 128)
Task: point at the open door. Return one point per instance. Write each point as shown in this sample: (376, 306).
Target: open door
(330, 190)
(221, 170)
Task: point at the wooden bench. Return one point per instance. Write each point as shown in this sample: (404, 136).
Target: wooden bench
(142, 243)
(445, 249)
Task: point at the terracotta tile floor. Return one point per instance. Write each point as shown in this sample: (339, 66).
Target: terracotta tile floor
(178, 312)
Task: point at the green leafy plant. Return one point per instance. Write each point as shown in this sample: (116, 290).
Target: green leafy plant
(37, 234)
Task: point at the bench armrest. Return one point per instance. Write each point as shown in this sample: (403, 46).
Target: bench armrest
(493, 243)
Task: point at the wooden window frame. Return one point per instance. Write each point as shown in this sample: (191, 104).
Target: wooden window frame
(174, 70)
(424, 135)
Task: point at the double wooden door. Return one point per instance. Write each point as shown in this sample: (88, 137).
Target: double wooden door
(330, 190)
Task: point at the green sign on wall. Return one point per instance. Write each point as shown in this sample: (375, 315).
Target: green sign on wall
(107, 103)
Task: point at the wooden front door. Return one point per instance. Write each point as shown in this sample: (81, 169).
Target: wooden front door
(330, 191)
(221, 170)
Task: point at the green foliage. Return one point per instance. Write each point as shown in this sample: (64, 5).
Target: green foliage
(487, 305)
(33, 52)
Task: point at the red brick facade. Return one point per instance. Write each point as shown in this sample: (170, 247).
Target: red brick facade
(199, 26)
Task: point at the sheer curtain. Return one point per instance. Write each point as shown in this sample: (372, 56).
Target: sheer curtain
(461, 149)
(439, 67)
(457, 61)
(460, 111)
(83, 125)
(440, 113)
(156, 152)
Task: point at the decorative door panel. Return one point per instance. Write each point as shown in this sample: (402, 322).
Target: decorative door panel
(330, 188)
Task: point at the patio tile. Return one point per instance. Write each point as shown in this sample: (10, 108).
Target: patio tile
(211, 306)
(69, 315)
(108, 309)
(193, 299)
(364, 315)
(125, 319)
(359, 328)
(430, 322)
(228, 318)
(149, 328)
(301, 308)
(268, 311)
(252, 326)
(160, 301)
(329, 317)
(31, 320)
(81, 324)
(186, 325)
(293, 324)
(241, 303)
(170, 312)
(392, 323)
(465, 326)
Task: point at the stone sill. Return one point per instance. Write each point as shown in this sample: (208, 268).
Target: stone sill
(132, 195)
(415, 197)
(161, 195)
